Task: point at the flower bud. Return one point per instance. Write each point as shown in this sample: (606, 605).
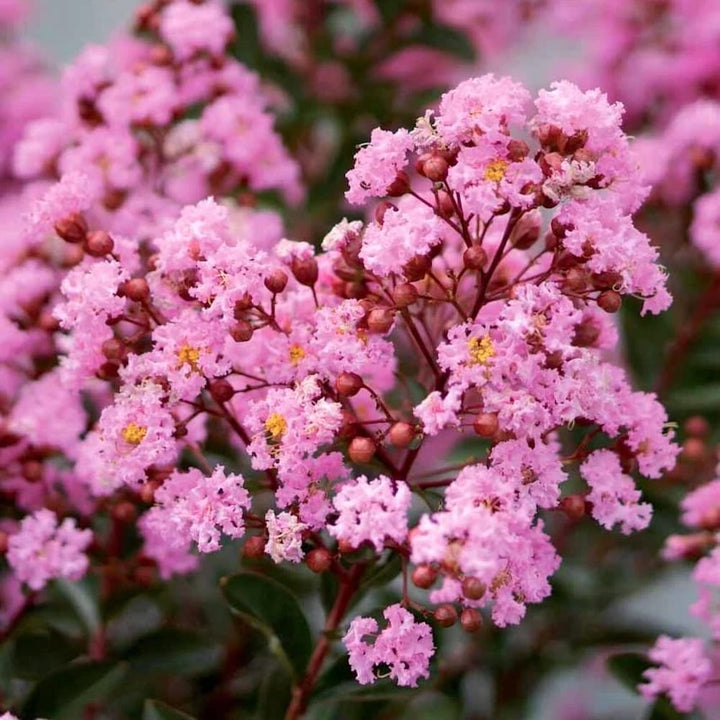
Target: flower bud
(276, 281)
(125, 512)
(108, 371)
(610, 301)
(221, 390)
(435, 168)
(399, 186)
(559, 228)
(4, 537)
(573, 506)
(486, 424)
(242, 305)
(445, 615)
(472, 588)
(47, 322)
(694, 450)
(424, 576)
(72, 228)
(445, 204)
(470, 620)
(474, 258)
(361, 449)
(241, 331)
(136, 289)
(254, 547)
(98, 243)
(32, 470)
(586, 334)
(401, 434)
(380, 320)
(404, 294)
(526, 233)
(517, 150)
(348, 384)
(417, 268)
(575, 279)
(319, 560)
(305, 270)
(697, 426)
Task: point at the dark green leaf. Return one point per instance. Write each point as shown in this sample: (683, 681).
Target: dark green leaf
(65, 693)
(170, 651)
(663, 710)
(275, 693)
(156, 710)
(83, 597)
(447, 40)
(628, 668)
(37, 653)
(270, 608)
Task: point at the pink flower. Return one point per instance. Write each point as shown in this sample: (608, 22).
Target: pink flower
(190, 28)
(371, 510)
(377, 164)
(284, 537)
(684, 669)
(42, 550)
(404, 645)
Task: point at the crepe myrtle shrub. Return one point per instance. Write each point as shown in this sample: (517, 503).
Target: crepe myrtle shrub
(177, 375)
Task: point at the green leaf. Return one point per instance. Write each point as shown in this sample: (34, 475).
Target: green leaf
(662, 709)
(270, 608)
(432, 706)
(36, 654)
(171, 651)
(156, 710)
(64, 694)
(628, 668)
(446, 39)
(275, 693)
(83, 598)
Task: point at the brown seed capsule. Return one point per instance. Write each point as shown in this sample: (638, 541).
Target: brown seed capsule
(610, 301)
(573, 506)
(470, 620)
(404, 294)
(399, 186)
(241, 331)
(348, 384)
(474, 258)
(424, 576)
(401, 434)
(361, 449)
(72, 228)
(98, 243)
(276, 281)
(221, 390)
(446, 615)
(305, 270)
(319, 560)
(435, 168)
(254, 547)
(380, 320)
(136, 289)
(486, 424)
(472, 588)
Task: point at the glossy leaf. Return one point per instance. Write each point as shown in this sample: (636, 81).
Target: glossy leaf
(269, 607)
(628, 668)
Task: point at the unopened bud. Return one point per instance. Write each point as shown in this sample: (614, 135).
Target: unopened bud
(319, 560)
(470, 620)
(610, 301)
(417, 268)
(697, 426)
(404, 295)
(424, 576)
(254, 547)
(124, 511)
(4, 537)
(380, 320)
(445, 204)
(98, 243)
(305, 270)
(241, 331)
(472, 588)
(446, 615)
(486, 424)
(114, 349)
(32, 470)
(136, 289)
(586, 334)
(361, 449)
(694, 450)
(399, 186)
(435, 168)
(108, 371)
(221, 390)
(348, 384)
(72, 228)
(401, 434)
(474, 258)
(276, 281)
(573, 506)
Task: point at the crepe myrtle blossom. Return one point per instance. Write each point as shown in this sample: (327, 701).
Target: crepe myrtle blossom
(224, 379)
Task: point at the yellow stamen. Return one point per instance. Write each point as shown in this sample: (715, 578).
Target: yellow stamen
(133, 433)
(189, 355)
(296, 354)
(276, 425)
(495, 171)
(481, 350)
